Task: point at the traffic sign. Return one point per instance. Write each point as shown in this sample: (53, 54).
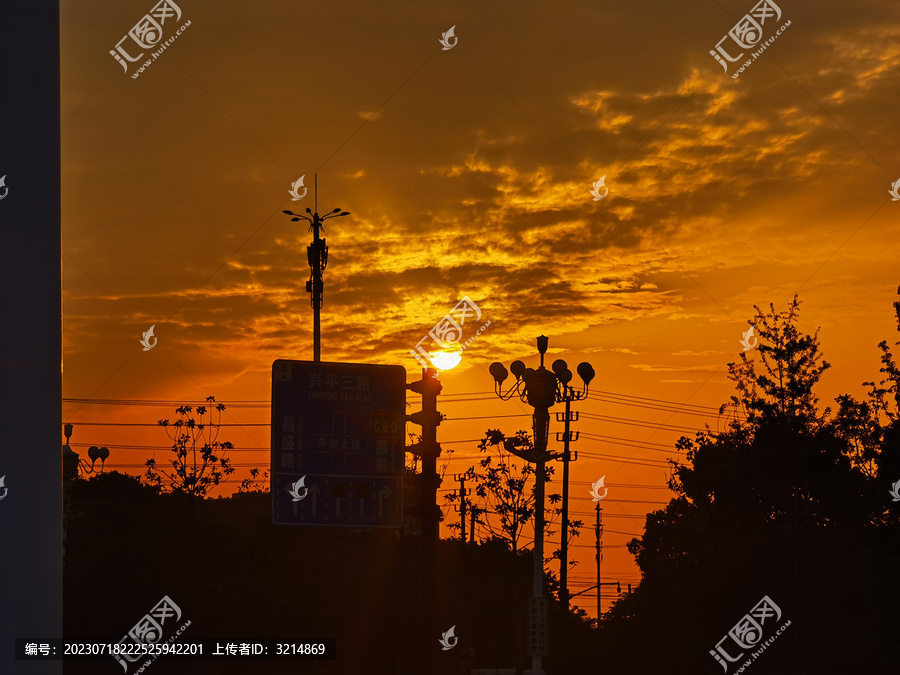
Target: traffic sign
(337, 444)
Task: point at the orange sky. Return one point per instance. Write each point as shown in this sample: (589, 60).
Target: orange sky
(467, 172)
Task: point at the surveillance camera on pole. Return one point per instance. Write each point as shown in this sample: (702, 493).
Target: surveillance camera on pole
(317, 257)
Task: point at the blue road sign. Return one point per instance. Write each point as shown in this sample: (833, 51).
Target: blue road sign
(337, 444)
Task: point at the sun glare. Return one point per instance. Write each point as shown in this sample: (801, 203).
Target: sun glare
(446, 360)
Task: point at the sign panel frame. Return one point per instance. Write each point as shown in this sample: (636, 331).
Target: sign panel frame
(337, 444)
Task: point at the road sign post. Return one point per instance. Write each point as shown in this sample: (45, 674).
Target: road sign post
(428, 449)
(337, 444)
(538, 627)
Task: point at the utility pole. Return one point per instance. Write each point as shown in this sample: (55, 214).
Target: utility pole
(317, 257)
(472, 524)
(599, 531)
(462, 507)
(429, 512)
(564, 536)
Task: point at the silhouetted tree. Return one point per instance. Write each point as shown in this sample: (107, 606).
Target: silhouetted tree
(251, 484)
(792, 365)
(239, 575)
(872, 427)
(772, 506)
(197, 470)
(505, 491)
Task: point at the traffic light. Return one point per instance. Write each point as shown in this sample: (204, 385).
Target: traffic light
(428, 417)
(428, 449)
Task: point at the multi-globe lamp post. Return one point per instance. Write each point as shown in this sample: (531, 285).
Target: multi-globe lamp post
(541, 389)
(72, 461)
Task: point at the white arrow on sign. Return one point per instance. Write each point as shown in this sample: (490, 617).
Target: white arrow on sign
(314, 491)
(383, 494)
(296, 503)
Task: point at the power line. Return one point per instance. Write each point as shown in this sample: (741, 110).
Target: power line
(462, 397)
(625, 441)
(600, 418)
(620, 501)
(165, 404)
(622, 485)
(113, 467)
(644, 462)
(257, 404)
(586, 482)
(638, 423)
(699, 408)
(613, 458)
(170, 426)
(161, 448)
(481, 417)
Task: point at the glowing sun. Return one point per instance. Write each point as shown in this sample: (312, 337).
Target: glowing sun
(446, 360)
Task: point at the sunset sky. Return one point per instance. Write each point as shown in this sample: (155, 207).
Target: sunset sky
(468, 173)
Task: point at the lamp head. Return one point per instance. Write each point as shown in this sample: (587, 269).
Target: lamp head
(559, 366)
(586, 372)
(498, 372)
(542, 343)
(518, 368)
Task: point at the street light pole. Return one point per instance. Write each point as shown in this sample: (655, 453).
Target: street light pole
(537, 581)
(317, 256)
(539, 388)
